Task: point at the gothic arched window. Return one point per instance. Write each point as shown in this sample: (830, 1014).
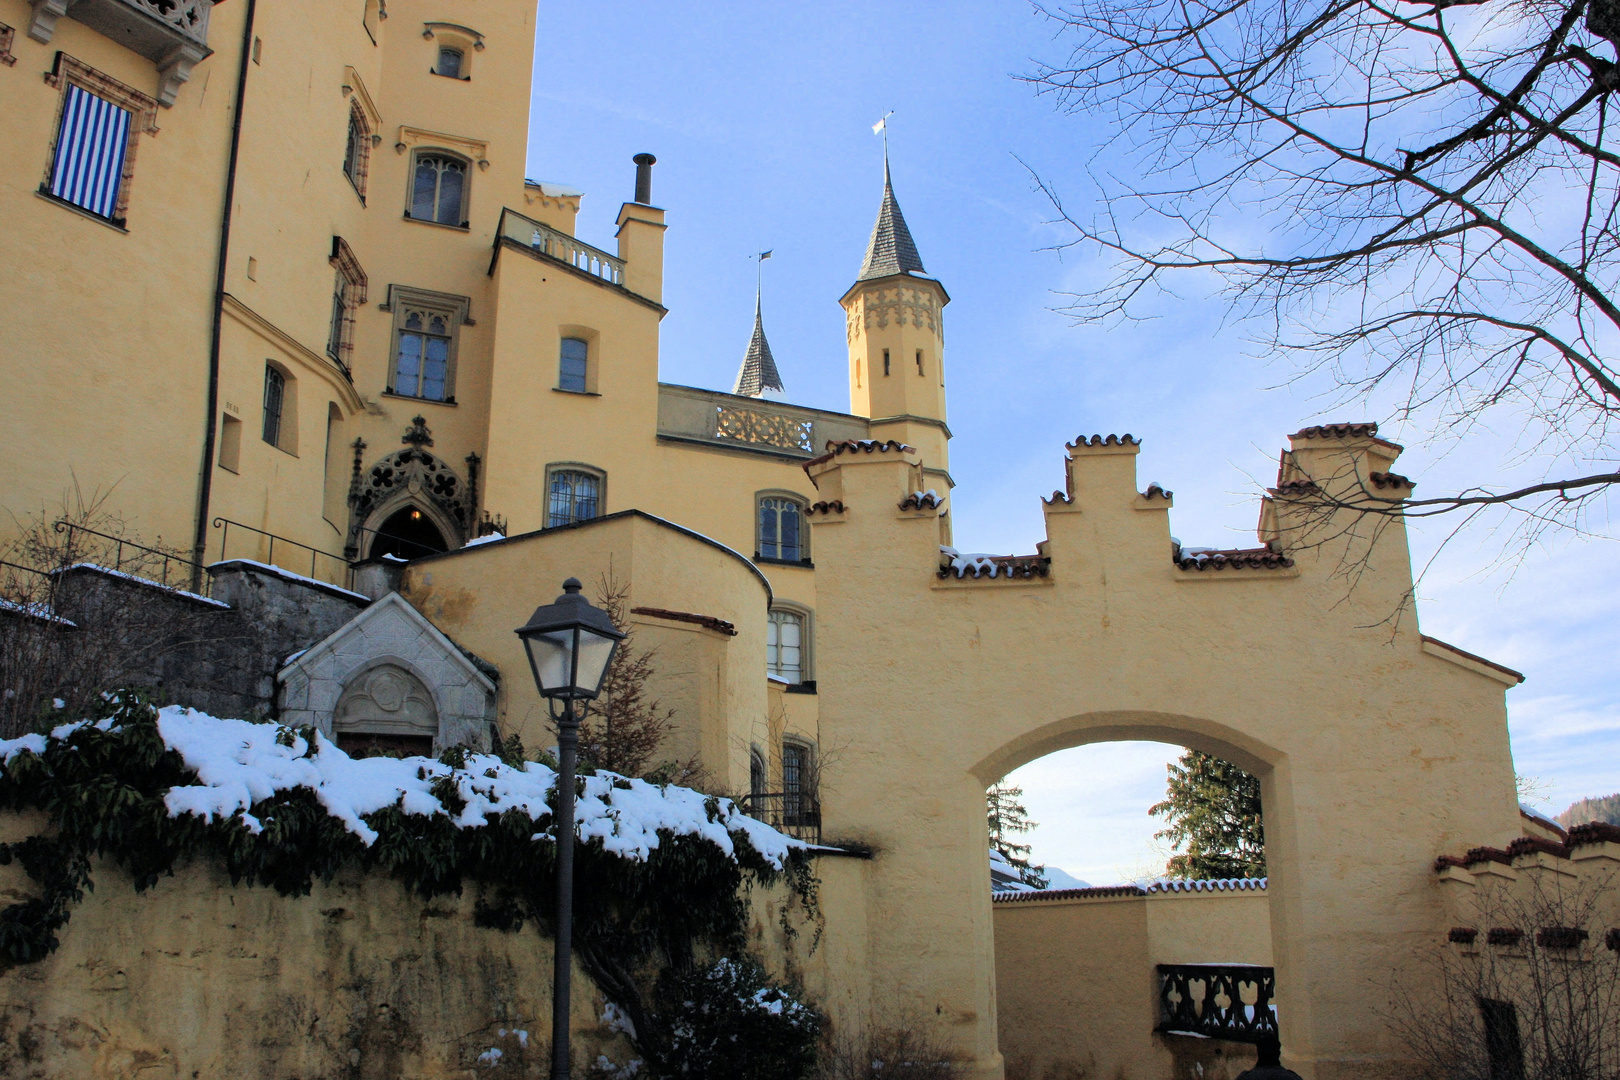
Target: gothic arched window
(781, 529)
(439, 189)
(574, 495)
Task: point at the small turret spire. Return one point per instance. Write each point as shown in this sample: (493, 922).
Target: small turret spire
(758, 372)
(891, 249)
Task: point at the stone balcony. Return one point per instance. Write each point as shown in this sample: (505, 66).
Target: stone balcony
(751, 425)
(173, 34)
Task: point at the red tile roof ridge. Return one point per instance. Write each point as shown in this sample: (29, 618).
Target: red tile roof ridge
(1485, 855)
(1529, 845)
(1154, 491)
(1263, 558)
(922, 500)
(1473, 656)
(834, 507)
(706, 621)
(1094, 893)
(1171, 885)
(1103, 440)
(1354, 430)
(1390, 479)
(1594, 832)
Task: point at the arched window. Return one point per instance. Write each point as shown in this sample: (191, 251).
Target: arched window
(439, 189)
(357, 153)
(275, 400)
(758, 775)
(449, 64)
(575, 495)
(422, 359)
(784, 646)
(574, 365)
(781, 529)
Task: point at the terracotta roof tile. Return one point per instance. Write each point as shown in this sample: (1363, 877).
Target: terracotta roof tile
(1099, 893)
(1154, 491)
(1390, 479)
(1234, 558)
(1338, 431)
(922, 500)
(1104, 440)
(1293, 488)
(1462, 935)
(856, 446)
(1594, 832)
(1058, 497)
(996, 566)
(706, 621)
(1443, 862)
(834, 507)
(1485, 855)
(1504, 935)
(1528, 845)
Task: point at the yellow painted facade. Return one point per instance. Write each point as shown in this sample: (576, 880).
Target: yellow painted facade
(920, 682)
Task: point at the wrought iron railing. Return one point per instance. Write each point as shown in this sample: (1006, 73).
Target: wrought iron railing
(795, 813)
(130, 557)
(341, 573)
(1217, 1001)
(554, 244)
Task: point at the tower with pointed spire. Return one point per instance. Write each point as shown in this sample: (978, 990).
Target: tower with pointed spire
(896, 334)
(758, 372)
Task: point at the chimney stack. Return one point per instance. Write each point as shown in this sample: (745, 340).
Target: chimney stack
(644, 164)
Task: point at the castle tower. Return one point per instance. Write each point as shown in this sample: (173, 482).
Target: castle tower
(758, 372)
(897, 340)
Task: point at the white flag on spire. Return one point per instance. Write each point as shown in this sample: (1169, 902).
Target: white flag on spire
(883, 123)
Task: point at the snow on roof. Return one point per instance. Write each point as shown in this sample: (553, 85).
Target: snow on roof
(125, 575)
(288, 575)
(240, 763)
(555, 190)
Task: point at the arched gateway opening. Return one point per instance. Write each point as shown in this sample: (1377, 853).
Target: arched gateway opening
(1130, 955)
(408, 533)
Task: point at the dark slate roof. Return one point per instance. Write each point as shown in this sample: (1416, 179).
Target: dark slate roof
(758, 372)
(891, 249)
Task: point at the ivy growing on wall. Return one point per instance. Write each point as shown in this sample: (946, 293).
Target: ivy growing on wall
(102, 786)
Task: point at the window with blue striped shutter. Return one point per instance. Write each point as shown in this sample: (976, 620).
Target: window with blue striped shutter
(90, 149)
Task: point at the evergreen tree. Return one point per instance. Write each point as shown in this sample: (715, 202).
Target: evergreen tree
(1213, 811)
(1008, 818)
(1606, 808)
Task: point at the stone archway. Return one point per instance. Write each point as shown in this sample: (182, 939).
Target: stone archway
(406, 480)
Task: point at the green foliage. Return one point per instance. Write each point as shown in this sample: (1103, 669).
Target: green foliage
(1213, 811)
(1008, 818)
(728, 1022)
(1605, 809)
(102, 788)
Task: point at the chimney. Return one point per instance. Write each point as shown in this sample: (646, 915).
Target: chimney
(644, 164)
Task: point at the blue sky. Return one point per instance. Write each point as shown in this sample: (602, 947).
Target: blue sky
(761, 115)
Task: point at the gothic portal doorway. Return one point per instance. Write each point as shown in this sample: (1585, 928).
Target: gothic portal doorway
(408, 533)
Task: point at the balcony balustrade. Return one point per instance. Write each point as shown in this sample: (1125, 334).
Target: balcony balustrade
(1217, 1001)
(173, 34)
(550, 243)
(688, 414)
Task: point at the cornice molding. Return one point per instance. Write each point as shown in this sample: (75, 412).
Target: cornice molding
(317, 363)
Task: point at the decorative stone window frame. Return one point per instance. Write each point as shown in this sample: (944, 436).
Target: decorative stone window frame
(804, 527)
(67, 71)
(354, 286)
(7, 36)
(465, 217)
(599, 474)
(807, 638)
(400, 299)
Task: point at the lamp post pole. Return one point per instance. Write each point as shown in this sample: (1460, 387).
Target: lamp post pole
(562, 976)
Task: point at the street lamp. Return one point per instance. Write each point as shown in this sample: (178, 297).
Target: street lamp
(570, 644)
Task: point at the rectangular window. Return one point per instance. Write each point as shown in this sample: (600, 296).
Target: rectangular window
(919, 362)
(348, 293)
(575, 496)
(275, 395)
(784, 646)
(885, 361)
(230, 443)
(574, 365)
(357, 151)
(340, 319)
(1503, 1048)
(88, 169)
(426, 325)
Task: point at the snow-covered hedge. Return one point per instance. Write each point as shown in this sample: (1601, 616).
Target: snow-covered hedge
(659, 869)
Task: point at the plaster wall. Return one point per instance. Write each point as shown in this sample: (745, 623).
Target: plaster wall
(1076, 988)
(1374, 753)
(358, 979)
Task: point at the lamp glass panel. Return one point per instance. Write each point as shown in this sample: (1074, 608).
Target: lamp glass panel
(595, 650)
(550, 654)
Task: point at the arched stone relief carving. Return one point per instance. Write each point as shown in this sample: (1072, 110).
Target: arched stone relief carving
(411, 476)
(386, 700)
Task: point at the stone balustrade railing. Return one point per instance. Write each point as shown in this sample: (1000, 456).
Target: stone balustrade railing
(554, 244)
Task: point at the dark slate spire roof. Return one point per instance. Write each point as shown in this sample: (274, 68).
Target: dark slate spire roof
(891, 249)
(758, 372)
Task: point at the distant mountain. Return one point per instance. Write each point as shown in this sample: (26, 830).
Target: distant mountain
(1058, 878)
(1606, 809)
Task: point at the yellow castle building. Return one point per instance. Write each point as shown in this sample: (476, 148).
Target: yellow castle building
(279, 287)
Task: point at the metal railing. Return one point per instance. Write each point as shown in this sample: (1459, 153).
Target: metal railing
(553, 244)
(795, 813)
(421, 549)
(1218, 1001)
(132, 558)
(344, 572)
